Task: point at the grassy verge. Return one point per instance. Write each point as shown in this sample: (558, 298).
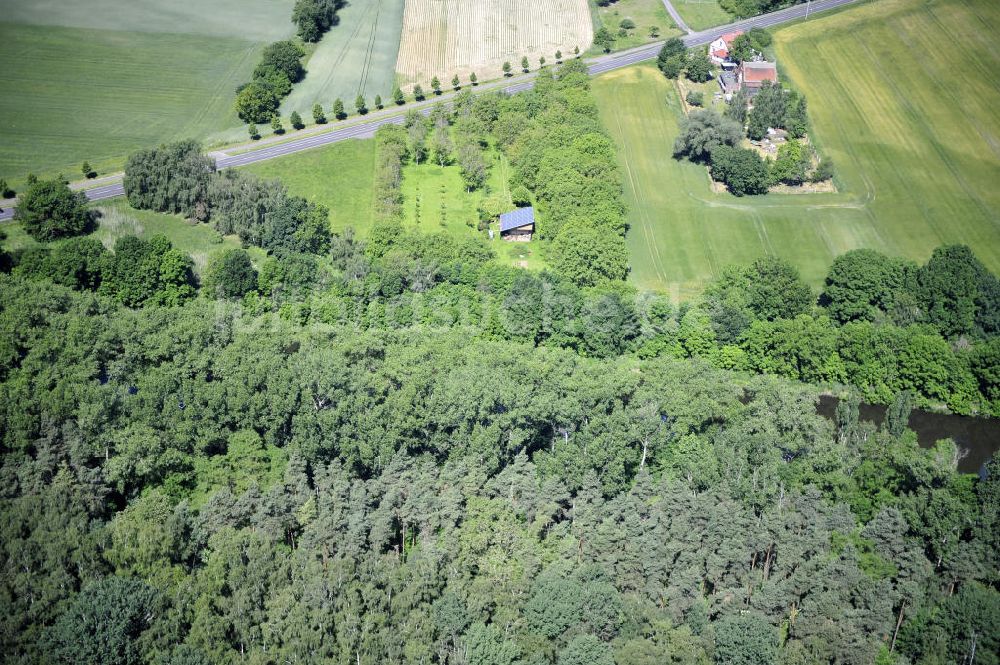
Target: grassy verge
(914, 166)
(702, 14)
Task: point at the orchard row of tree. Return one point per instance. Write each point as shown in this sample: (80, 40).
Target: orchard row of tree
(204, 483)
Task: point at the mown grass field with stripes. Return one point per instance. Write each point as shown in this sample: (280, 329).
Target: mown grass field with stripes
(94, 81)
(903, 96)
(356, 57)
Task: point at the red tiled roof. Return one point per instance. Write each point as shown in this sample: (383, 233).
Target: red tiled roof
(757, 72)
(730, 36)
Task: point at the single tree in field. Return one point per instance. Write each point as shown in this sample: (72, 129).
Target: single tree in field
(318, 114)
(338, 109)
(50, 210)
(253, 132)
(88, 172)
(654, 31)
(398, 97)
(541, 61)
(378, 102)
(296, 120)
(360, 104)
(604, 39)
(525, 65)
(576, 51)
(436, 85)
(418, 93)
(276, 125)
(473, 79)
(506, 68)
(456, 83)
(558, 57)
(5, 191)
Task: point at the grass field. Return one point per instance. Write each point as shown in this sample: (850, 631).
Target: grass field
(446, 37)
(916, 167)
(645, 13)
(358, 56)
(96, 80)
(339, 176)
(702, 14)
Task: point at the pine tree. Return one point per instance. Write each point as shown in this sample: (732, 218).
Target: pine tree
(473, 78)
(254, 134)
(338, 109)
(541, 61)
(558, 56)
(525, 65)
(296, 120)
(359, 104)
(418, 93)
(506, 69)
(455, 82)
(87, 171)
(276, 125)
(378, 102)
(398, 97)
(436, 85)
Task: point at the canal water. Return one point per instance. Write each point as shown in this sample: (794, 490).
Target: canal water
(978, 439)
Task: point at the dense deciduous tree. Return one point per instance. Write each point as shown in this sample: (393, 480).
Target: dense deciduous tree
(741, 170)
(172, 178)
(49, 210)
(704, 131)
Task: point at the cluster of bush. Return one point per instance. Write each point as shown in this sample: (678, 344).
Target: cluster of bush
(136, 273)
(674, 59)
(314, 17)
(280, 66)
(706, 137)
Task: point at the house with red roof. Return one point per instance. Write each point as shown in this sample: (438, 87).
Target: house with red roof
(718, 50)
(751, 75)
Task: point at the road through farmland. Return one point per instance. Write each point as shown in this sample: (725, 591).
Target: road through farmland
(366, 129)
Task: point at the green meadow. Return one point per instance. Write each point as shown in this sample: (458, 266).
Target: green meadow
(96, 80)
(702, 14)
(356, 57)
(644, 13)
(915, 141)
(340, 176)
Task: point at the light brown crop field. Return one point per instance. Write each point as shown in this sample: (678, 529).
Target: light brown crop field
(447, 37)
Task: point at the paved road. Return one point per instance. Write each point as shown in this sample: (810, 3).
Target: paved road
(677, 17)
(598, 65)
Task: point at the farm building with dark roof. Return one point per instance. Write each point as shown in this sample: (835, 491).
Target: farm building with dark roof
(518, 224)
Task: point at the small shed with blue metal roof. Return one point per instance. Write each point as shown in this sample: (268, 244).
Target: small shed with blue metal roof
(518, 224)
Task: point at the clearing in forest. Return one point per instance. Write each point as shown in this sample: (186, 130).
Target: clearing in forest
(447, 37)
(915, 142)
